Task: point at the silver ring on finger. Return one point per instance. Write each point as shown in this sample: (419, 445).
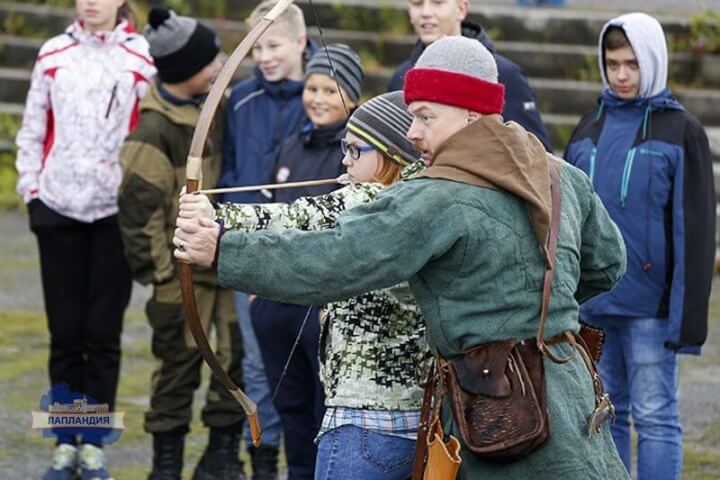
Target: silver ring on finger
(181, 246)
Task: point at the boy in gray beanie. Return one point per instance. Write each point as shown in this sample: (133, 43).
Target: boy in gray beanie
(153, 160)
(333, 82)
(470, 234)
(340, 62)
(180, 46)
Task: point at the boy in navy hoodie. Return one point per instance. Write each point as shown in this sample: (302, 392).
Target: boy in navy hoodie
(263, 111)
(333, 82)
(649, 161)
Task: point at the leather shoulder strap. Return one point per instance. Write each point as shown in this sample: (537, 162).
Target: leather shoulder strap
(556, 199)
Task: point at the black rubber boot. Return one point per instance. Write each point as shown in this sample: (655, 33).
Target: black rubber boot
(220, 460)
(167, 456)
(264, 462)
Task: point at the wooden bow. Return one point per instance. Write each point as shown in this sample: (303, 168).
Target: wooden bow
(193, 176)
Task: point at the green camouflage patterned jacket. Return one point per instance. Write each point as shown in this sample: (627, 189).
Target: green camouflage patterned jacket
(371, 345)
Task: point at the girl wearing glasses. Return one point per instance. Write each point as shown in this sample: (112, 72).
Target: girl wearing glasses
(369, 368)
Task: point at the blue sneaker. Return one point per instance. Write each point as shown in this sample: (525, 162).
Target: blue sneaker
(64, 463)
(92, 463)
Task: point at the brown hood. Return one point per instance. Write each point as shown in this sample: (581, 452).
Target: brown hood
(503, 156)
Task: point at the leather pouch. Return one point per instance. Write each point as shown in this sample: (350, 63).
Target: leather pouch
(497, 394)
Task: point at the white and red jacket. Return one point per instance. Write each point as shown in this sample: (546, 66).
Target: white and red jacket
(83, 101)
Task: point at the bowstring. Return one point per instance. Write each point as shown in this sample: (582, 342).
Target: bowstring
(292, 352)
(327, 53)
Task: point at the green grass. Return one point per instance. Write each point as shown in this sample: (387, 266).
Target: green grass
(700, 463)
(23, 380)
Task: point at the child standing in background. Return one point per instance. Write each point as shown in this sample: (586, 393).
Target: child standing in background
(154, 162)
(333, 82)
(263, 110)
(83, 100)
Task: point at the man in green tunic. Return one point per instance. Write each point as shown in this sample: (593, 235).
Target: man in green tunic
(469, 234)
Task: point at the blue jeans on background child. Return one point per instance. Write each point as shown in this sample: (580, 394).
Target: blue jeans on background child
(354, 453)
(256, 384)
(641, 375)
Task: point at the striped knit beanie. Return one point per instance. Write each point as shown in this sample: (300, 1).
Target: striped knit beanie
(347, 65)
(456, 71)
(180, 46)
(383, 122)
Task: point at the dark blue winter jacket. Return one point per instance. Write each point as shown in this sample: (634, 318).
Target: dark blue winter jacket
(520, 103)
(311, 154)
(649, 162)
(260, 115)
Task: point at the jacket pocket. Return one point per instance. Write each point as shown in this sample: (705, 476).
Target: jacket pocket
(657, 201)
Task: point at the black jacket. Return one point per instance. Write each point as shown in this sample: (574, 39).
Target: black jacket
(312, 154)
(520, 103)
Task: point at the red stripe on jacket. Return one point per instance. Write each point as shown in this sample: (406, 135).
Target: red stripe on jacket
(147, 60)
(58, 50)
(135, 114)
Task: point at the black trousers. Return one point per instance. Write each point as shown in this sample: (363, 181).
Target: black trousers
(86, 285)
(300, 401)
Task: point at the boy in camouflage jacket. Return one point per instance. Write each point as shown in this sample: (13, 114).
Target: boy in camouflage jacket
(153, 160)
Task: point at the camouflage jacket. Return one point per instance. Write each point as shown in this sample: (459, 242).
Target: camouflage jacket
(371, 345)
(153, 161)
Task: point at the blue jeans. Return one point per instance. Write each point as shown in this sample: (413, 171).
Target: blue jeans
(256, 384)
(641, 376)
(354, 453)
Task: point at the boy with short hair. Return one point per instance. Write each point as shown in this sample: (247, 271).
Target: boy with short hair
(266, 108)
(649, 162)
(433, 19)
(263, 111)
(153, 159)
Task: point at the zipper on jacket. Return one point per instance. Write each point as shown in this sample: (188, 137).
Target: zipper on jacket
(600, 110)
(112, 100)
(646, 120)
(593, 155)
(648, 264)
(627, 172)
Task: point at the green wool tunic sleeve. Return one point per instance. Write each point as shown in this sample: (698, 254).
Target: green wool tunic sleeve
(373, 246)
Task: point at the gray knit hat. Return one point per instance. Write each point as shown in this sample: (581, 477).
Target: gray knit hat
(383, 122)
(456, 71)
(180, 46)
(347, 65)
(462, 55)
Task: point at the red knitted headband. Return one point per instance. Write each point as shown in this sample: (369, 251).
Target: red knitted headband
(452, 88)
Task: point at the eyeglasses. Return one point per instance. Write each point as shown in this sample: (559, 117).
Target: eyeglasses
(353, 150)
